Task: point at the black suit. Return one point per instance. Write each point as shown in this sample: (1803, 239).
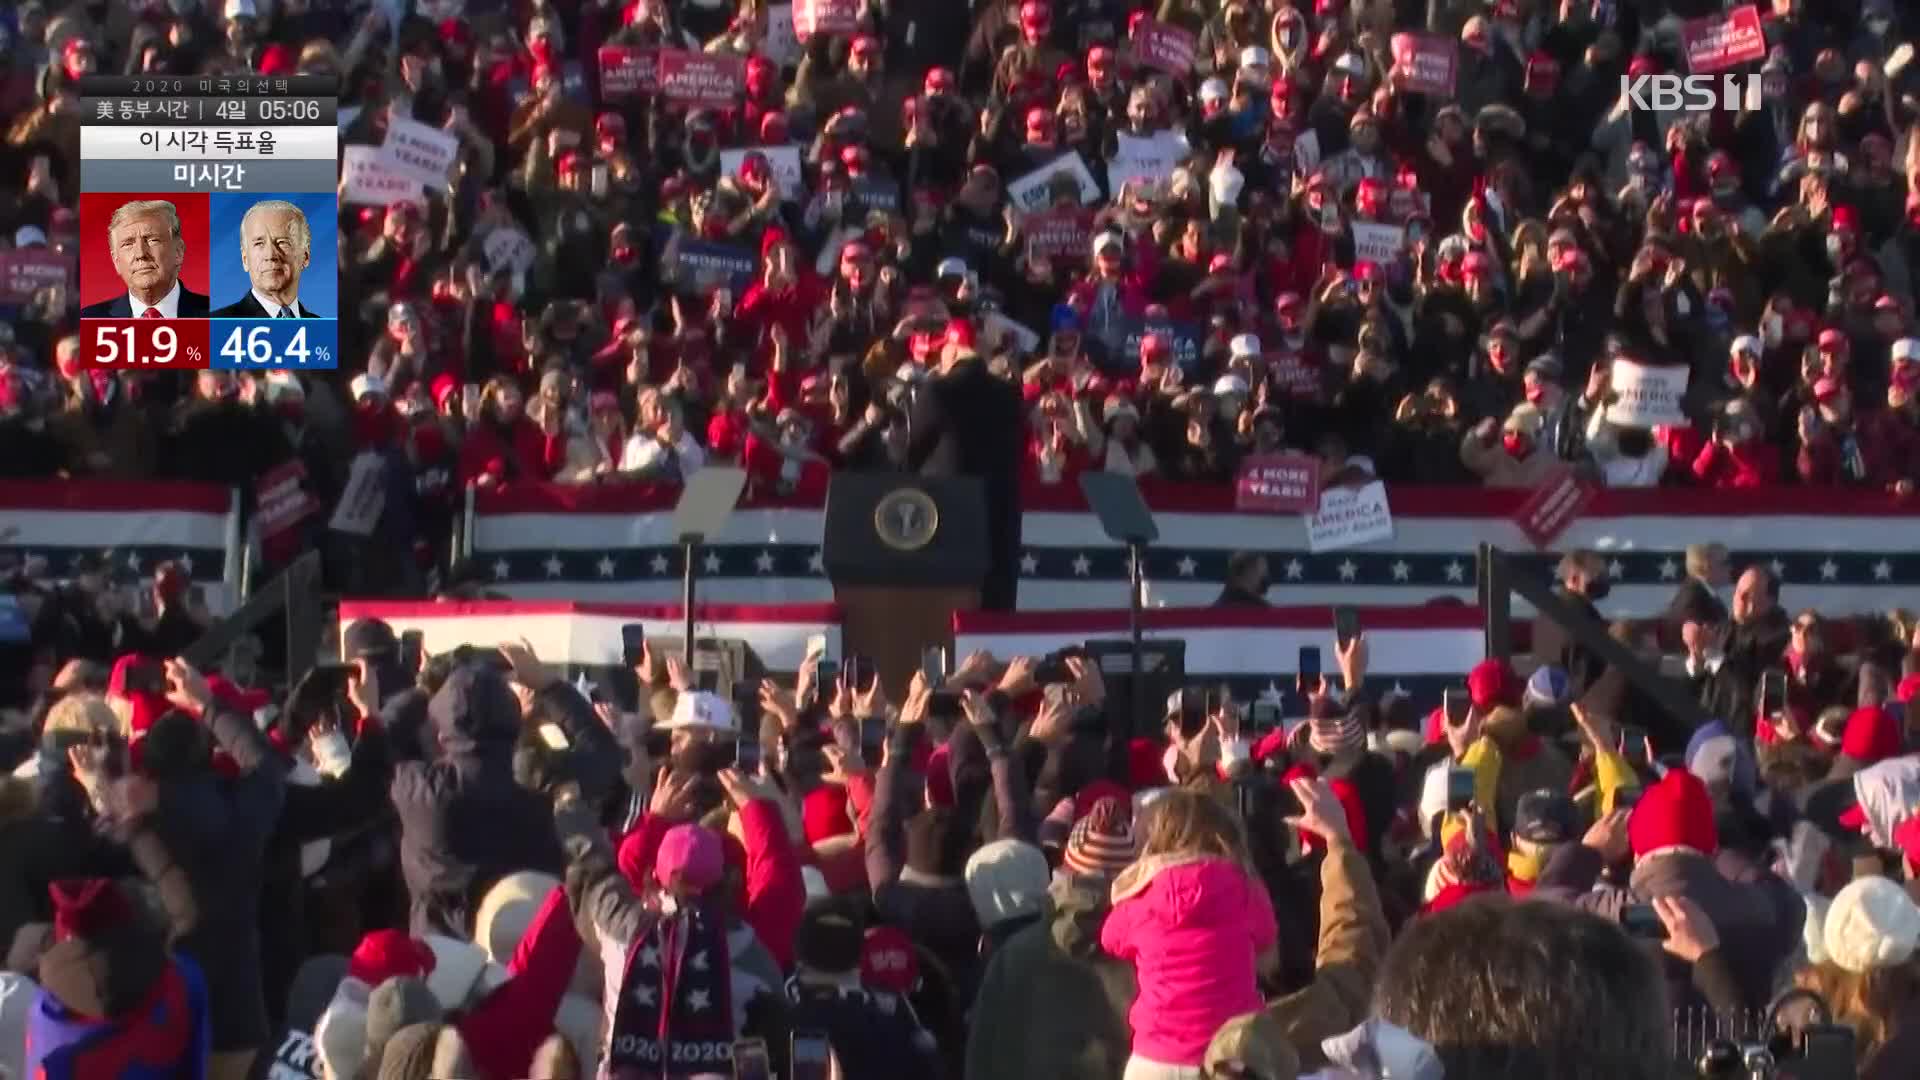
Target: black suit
(192, 306)
(248, 307)
(968, 423)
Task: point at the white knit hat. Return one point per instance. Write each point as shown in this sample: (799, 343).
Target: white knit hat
(1007, 879)
(1871, 924)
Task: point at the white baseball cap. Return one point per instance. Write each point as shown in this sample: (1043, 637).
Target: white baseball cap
(1229, 384)
(1213, 90)
(1745, 343)
(1254, 56)
(1906, 350)
(367, 383)
(698, 708)
(1243, 345)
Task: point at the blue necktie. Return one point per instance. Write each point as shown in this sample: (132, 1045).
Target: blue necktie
(285, 313)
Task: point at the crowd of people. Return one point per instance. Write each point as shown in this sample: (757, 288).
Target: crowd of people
(474, 868)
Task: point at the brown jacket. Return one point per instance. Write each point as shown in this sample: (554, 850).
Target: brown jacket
(1353, 940)
(1497, 469)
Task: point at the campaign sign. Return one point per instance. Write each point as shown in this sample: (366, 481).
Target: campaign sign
(1292, 373)
(422, 152)
(1719, 42)
(1182, 338)
(1349, 517)
(373, 178)
(1165, 47)
(1034, 190)
(701, 267)
(1378, 244)
(812, 17)
(25, 271)
(1151, 158)
(701, 79)
(365, 496)
(509, 248)
(782, 45)
(1426, 63)
(1058, 234)
(1556, 503)
(783, 160)
(626, 70)
(1277, 483)
(281, 501)
(870, 193)
(1647, 395)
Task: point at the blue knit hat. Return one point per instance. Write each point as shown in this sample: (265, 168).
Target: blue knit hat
(1546, 687)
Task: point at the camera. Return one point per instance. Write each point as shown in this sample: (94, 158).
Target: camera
(1819, 1050)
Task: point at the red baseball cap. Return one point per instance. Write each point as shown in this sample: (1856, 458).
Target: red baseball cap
(1832, 338)
(888, 962)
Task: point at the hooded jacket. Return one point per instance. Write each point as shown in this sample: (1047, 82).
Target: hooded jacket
(1053, 1005)
(1192, 927)
(464, 821)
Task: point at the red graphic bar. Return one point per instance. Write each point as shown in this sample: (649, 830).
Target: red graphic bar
(145, 344)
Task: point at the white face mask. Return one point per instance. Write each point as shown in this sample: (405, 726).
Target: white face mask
(1773, 329)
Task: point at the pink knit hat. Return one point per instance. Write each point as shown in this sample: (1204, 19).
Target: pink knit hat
(693, 853)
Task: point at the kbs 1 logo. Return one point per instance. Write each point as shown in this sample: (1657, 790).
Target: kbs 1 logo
(1691, 93)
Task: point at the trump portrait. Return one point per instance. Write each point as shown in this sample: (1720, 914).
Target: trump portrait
(276, 248)
(148, 250)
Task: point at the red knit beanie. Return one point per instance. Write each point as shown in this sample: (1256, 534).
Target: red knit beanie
(1492, 683)
(1872, 735)
(83, 907)
(387, 954)
(1675, 812)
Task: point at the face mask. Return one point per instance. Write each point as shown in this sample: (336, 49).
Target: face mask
(1836, 247)
(1294, 341)
(1516, 444)
(1598, 590)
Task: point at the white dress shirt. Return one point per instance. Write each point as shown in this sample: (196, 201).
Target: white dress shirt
(274, 307)
(169, 304)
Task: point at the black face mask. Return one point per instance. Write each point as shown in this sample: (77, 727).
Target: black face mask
(1598, 590)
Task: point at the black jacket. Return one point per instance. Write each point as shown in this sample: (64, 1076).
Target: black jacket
(968, 423)
(464, 822)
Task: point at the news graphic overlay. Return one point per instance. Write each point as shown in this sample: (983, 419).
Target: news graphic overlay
(209, 223)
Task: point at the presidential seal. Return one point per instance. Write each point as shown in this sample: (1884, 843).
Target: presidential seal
(906, 520)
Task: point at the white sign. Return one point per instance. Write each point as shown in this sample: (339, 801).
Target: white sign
(1153, 158)
(1029, 193)
(783, 160)
(1350, 517)
(1379, 244)
(422, 152)
(372, 178)
(782, 45)
(1646, 395)
(509, 248)
(366, 495)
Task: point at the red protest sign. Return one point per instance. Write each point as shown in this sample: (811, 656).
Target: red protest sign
(1556, 503)
(1058, 234)
(1277, 483)
(281, 501)
(1718, 42)
(1426, 63)
(25, 271)
(1165, 47)
(626, 70)
(1293, 373)
(812, 17)
(701, 79)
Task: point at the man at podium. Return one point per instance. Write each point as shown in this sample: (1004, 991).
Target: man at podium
(966, 422)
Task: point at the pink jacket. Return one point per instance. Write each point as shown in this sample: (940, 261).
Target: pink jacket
(1192, 927)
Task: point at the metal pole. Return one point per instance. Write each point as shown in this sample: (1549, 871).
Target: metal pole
(463, 537)
(1496, 601)
(232, 572)
(690, 546)
(1135, 580)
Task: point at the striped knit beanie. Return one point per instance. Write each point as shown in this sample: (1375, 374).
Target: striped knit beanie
(1103, 843)
(1335, 732)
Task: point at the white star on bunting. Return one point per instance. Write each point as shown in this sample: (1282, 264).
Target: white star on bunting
(697, 960)
(1883, 571)
(659, 564)
(1829, 570)
(1028, 564)
(1779, 568)
(1186, 565)
(646, 995)
(1616, 570)
(186, 562)
(764, 563)
(553, 565)
(1348, 569)
(1401, 570)
(133, 561)
(650, 956)
(712, 563)
(500, 569)
(1669, 569)
(817, 562)
(698, 1000)
(1456, 571)
(1082, 565)
(1296, 570)
(605, 566)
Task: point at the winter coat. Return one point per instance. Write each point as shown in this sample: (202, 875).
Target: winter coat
(1053, 1005)
(117, 1004)
(36, 851)
(1498, 469)
(464, 821)
(1192, 927)
(216, 829)
(1742, 465)
(1353, 940)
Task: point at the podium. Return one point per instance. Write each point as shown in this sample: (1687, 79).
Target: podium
(904, 552)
